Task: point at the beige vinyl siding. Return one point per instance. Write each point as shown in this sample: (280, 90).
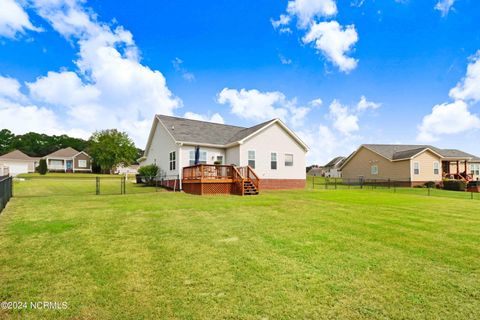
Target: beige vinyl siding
(233, 156)
(159, 151)
(360, 165)
(425, 161)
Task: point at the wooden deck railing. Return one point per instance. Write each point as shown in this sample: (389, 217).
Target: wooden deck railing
(208, 171)
(238, 175)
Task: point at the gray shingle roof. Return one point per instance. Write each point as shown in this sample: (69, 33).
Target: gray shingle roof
(404, 151)
(334, 162)
(17, 155)
(63, 153)
(206, 132)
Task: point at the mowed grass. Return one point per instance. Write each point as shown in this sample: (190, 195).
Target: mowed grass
(321, 254)
(68, 184)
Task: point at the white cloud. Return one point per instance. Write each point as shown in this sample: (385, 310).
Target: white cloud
(282, 21)
(260, 106)
(447, 118)
(469, 87)
(178, 66)
(10, 88)
(216, 117)
(110, 88)
(444, 6)
(364, 104)
(14, 19)
(343, 120)
(334, 42)
(307, 10)
(284, 60)
(316, 102)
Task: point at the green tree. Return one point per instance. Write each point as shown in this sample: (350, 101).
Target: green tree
(148, 172)
(42, 167)
(110, 148)
(6, 139)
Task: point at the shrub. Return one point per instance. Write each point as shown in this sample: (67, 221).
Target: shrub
(454, 185)
(430, 184)
(42, 167)
(148, 172)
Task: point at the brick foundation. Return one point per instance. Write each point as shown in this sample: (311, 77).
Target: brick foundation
(276, 184)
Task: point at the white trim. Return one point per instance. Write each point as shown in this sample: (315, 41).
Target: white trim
(266, 126)
(413, 168)
(276, 159)
(438, 166)
(254, 158)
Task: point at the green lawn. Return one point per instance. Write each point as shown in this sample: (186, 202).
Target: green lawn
(321, 254)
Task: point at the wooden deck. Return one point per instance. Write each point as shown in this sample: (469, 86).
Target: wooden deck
(213, 179)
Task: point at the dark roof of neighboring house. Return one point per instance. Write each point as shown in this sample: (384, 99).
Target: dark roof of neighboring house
(17, 155)
(63, 153)
(404, 151)
(206, 132)
(334, 162)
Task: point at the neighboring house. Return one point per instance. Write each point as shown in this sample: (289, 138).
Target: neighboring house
(410, 164)
(316, 172)
(4, 171)
(332, 169)
(131, 169)
(275, 154)
(18, 162)
(69, 160)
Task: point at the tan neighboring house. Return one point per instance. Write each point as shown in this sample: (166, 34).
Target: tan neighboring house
(409, 164)
(68, 160)
(17, 162)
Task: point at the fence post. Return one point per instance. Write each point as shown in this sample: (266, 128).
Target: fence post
(394, 187)
(326, 183)
(97, 185)
(388, 183)
(428, 187)
(471, 195)
(335, 183)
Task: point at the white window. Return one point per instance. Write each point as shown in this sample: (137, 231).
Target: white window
(436, 167)
(251, 158)
(416, 168)
(273, 161)
(56, 163)
(82, 163)
(173, 161)
(374, 169)
(288, 160)
(202, 160)
(475, 169)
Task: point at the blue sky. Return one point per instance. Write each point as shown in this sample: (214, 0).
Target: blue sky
(340, 73)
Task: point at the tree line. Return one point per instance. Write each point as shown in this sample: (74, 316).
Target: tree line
(108, 148)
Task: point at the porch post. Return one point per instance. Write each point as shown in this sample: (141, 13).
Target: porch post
(466, 172)
(458, 167)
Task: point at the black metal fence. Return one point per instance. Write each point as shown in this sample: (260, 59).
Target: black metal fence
(389, 185)
(6, 191)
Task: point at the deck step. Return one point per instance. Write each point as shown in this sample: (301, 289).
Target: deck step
(249, 188)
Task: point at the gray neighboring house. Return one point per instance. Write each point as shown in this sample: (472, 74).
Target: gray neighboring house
(69, 160)
(332, 169)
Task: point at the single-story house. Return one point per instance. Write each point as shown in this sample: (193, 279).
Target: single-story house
(131, 169)
(332, 169)
(69, 160)
(202, 157)
(316, 172)
(17, 162)
(409, 164)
